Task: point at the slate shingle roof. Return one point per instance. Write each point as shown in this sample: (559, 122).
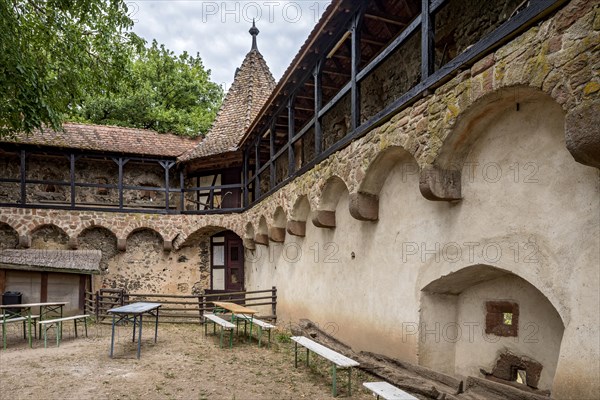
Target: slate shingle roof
(75, 261)
(251, 87)
(109, 138)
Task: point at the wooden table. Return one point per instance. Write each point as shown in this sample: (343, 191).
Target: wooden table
(24, 310)
(235, 309)
(134, 312)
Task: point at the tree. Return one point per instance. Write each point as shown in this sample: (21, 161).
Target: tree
(53, 53)
(159, 91)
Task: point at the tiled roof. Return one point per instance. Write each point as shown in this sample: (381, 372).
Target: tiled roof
(251, 87)
(306, 49)
(75, 261)
(109, 138)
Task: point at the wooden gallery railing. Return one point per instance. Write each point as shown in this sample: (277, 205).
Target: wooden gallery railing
(180, 308)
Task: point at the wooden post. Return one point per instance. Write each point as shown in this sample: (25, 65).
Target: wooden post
(97, 305)
(182, 191)
(318, 104)
(72, 177)
(355, 94)
(272, 153)
(274, 301)
(257, 167)
(427, 40)
(23, 175)
(245, 178)
(291, 133)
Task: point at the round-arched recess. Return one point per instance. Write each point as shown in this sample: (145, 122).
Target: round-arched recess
(49, 236)
(9, 238)
(483, 320)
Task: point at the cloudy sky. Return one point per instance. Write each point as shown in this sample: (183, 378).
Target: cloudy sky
(218, 30)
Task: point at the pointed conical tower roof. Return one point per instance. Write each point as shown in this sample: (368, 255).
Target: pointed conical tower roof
(251, 87)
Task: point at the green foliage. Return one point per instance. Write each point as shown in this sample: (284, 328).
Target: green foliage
(160, 91)
(53, 53)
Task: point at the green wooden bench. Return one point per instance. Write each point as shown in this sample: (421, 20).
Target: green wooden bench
(10, 318)
(225, 326)
(338, 360)
(387, 391)
(262, 325)
(57, 325)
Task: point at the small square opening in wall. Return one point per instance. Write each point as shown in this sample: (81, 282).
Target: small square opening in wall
(502, 318)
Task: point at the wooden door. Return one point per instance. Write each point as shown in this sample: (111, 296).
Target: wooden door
(234, 263)
(227, 263)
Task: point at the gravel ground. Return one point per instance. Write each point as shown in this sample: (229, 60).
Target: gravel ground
(183, 364)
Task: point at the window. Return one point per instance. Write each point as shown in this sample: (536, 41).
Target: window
(502, 318)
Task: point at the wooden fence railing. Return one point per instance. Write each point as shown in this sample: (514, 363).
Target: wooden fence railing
(180, 308)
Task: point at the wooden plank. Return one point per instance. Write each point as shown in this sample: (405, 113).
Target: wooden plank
(2, 280)
(44, 287)
(219, 321)
(325, 352)
(256, 321)
(387, 391)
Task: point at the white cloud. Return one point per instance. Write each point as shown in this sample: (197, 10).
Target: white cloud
(218, 30)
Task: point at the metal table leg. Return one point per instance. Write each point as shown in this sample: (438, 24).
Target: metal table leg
(112, 338)
(139, 349)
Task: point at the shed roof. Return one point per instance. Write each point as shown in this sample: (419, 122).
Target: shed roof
(107, 138)
(71, 261)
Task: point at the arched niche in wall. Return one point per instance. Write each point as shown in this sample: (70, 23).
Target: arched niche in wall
(99, 238)
(364, 204)
(301, 210)
(249, 236)
(262, 234)
(333, 189)
(277, 230)
(49, 236)
(492, 322)
(9, 238)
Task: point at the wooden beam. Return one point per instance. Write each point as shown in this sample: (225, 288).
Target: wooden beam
(339, 44)
(23, 176)
(383, 19)
(291, 132)
(318, 102)
(355, 90)
(272, 153)
(427, 40)
(335, 73)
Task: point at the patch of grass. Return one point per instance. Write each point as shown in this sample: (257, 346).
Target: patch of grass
(283, 337)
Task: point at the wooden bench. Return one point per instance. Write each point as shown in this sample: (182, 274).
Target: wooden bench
(387, 391)
(8, 319)
(262, 325)
(337, 359)
(57, 325)
(225, 326)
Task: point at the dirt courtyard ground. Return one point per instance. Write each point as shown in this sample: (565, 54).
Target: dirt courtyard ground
(183, 364)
